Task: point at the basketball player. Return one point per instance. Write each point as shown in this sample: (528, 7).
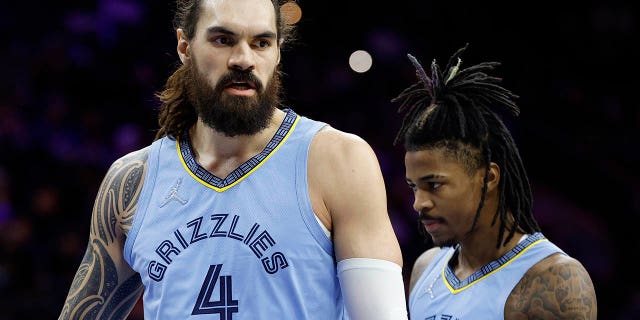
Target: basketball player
(241, 208)
(473, 200)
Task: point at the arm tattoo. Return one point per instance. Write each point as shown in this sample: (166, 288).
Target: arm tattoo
(118, 196)
(564, 291)
(97, 292)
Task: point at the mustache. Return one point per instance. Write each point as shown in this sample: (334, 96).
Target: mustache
(423, 217)
(240, 76)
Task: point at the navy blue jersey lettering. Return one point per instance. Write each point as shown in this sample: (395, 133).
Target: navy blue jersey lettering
(165, 249)
(219, 219)
(156, 270)
(263, 242)
(277, 261)
(195, 235)
(225, 305)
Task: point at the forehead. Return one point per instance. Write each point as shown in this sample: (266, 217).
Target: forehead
(254, 16)
(431, 161)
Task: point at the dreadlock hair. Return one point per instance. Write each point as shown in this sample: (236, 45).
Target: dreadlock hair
(176, 114)
(452, 110)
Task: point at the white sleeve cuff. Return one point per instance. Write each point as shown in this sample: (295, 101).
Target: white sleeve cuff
(373, 289)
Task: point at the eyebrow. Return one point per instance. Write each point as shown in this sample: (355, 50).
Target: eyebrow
(427, 177)
(223, 30)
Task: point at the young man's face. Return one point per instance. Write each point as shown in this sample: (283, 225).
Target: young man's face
(233, 58)
(446, 197)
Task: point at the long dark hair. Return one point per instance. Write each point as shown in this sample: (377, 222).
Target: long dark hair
(453, 109)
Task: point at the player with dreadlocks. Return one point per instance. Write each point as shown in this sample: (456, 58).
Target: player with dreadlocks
(472, 194)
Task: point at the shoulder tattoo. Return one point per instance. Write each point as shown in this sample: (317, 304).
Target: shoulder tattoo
(562, 291)
(118, 196)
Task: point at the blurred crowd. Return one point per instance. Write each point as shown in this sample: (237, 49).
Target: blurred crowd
(78, 85)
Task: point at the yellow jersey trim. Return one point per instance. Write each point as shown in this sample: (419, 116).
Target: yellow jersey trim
(208, 185)
(454, 291)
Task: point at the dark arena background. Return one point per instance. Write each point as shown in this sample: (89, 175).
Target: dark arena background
(79, 77)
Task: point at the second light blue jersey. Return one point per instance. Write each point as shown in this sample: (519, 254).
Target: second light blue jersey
(247, 246)
(439, 294)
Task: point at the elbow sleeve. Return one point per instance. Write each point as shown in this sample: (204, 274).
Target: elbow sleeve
(373, 289)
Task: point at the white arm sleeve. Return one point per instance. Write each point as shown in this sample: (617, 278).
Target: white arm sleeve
(373, 289)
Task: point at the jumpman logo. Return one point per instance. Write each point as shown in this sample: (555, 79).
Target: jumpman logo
(173, 195)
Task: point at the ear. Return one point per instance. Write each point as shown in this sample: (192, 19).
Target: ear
(184, 50)
(494, 177)
(280, 43)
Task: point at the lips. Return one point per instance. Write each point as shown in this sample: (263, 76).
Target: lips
(431, 224)
(241, 85)
(237, 88)
(240, 81)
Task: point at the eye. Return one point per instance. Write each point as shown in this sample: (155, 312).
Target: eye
(434, 185)
(262, 43)
(412, 186)
(223, 40)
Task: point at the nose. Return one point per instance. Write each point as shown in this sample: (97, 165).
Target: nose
(422, 201)
(242, 57)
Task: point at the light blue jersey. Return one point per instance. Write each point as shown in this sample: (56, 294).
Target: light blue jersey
(439, 294)
(247, 246)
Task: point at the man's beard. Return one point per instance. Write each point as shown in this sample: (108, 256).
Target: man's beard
(229, 114)
(446, 243)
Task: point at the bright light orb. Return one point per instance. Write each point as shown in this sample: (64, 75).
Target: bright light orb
(291, 12)
(360, 61)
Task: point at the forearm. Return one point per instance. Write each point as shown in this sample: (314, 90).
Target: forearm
(96, 291)
(373, 289)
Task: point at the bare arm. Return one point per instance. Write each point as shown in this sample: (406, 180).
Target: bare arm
(105, 287)
(351, 197)
(558, 287)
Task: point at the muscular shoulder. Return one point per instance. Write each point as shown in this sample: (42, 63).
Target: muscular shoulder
(558, 287)
(339, 143)
(421, 264)
(128, 172)
(136, 157)
(340, 162)
(120, 189)
(342, 153)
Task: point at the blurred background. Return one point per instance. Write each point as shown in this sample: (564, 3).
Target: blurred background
(77, 92)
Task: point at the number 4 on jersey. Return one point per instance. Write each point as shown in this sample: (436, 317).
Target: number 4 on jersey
(225, 306)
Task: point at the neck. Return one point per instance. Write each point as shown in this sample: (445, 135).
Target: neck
(478, 250)
(480, 246)
(221, 154)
